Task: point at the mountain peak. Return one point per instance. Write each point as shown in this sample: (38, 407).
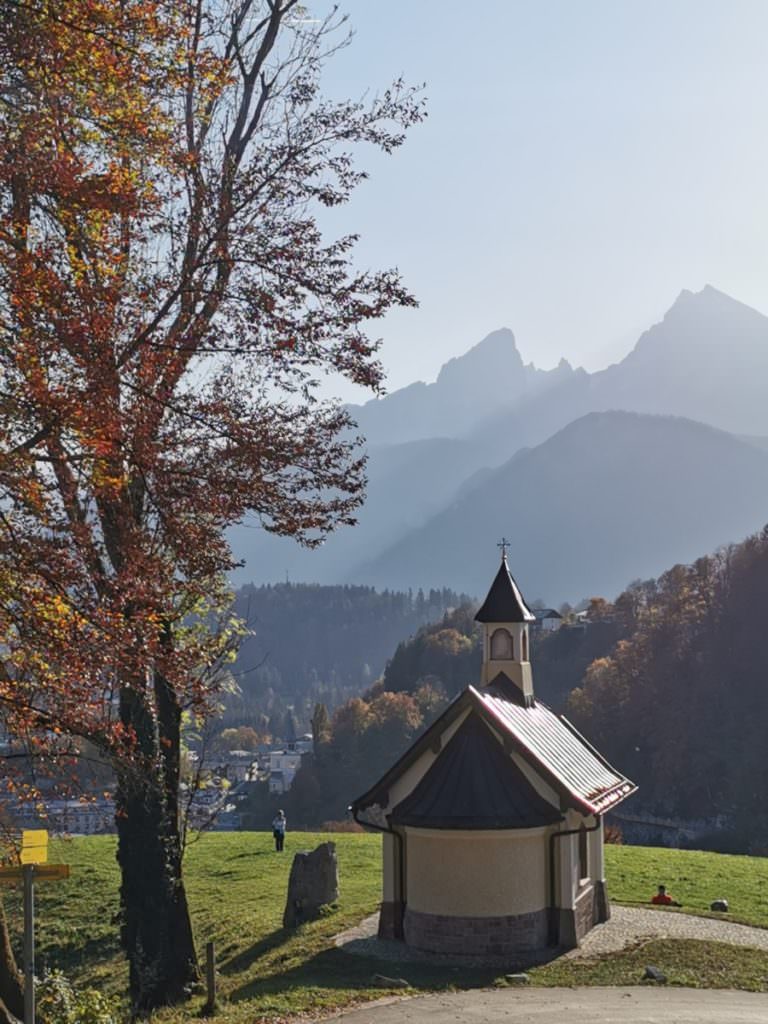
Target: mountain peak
(708, 299)
(496, 352)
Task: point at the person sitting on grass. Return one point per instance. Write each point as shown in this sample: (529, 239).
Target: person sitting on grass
(663, 899)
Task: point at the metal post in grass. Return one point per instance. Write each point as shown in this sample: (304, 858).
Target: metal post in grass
(28, 871)
(32, 867)
(210, 977)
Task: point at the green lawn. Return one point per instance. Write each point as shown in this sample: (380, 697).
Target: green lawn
(693, 878)
(237, 884)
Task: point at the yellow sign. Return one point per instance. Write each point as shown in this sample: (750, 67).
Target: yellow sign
(34, 846)
(42, 873)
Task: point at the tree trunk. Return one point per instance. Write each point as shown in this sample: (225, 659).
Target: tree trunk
(11, 979)
(156, 928)
(6, 1017)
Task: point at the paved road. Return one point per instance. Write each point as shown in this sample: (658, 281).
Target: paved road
(570, 1006)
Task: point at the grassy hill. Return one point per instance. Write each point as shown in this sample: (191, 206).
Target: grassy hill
(237, 890)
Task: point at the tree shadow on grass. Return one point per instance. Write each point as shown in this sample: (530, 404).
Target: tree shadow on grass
(243, 960)
(100, 949)
(250, 854)
(333, 969)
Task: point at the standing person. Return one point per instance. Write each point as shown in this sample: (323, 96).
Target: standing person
(278, 830)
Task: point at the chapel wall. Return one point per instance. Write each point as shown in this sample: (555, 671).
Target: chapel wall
(477, 874)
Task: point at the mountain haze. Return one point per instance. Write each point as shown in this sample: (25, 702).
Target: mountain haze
(611, 497)
(433, 447)
(706, 360)
(488, 378)
(407, 483)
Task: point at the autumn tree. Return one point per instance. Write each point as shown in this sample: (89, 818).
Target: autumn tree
(11, 980)
(681, 700)
(321, 726)
(241, 737)
(168, 301)
(351, 750)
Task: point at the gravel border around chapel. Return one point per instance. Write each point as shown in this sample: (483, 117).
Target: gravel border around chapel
(626, 926)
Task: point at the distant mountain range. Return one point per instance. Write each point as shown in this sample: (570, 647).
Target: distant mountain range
(488, 379)
(497, 446)
(612, 497)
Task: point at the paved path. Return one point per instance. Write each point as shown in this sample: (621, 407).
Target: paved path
(627, 925)
(576, 1006)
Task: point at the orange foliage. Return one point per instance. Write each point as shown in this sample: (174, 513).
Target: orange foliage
(167, 303)
(162, 285)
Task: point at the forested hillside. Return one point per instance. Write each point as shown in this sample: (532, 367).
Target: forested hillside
(682, 704)
(669, 682)
(356, 744)
(307, 644)
(447, 655)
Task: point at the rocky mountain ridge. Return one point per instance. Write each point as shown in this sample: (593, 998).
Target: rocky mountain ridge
(432, 446)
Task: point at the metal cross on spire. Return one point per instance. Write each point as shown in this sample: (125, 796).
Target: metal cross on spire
(504, 544)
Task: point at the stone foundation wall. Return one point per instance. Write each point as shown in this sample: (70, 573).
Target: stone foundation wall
(602, 903)
(476, 936)
(591, 908)
(585, 912)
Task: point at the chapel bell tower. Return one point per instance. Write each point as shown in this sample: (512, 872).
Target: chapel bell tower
(505, 618)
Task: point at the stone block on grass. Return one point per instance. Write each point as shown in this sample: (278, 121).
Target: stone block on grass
(654, 974)
(313, 884)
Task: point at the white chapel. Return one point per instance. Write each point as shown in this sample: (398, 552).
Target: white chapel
(492, 822)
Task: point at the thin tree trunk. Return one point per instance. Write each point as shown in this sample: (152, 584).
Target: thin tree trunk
(156, 928)
(11, 979)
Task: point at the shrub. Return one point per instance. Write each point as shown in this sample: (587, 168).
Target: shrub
(58, 1002)
(613, 835)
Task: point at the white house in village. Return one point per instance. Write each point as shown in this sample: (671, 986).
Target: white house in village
(282, 767)
(548, 620)
(492, 821)
(283, 764)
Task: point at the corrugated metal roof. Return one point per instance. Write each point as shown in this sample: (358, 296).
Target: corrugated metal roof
(557, 747)
(549, 742)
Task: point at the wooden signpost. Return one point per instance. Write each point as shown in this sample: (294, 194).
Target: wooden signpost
(32, 867)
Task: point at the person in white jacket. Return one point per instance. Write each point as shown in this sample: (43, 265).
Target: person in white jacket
(278, 830)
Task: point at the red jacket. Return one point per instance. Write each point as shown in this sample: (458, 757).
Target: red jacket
(662, 898)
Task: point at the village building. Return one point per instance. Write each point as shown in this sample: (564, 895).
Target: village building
(548, 620)
(492, 821)
(283, 767)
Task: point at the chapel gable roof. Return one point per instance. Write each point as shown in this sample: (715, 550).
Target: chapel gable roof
(554, 746)
(548, 742)
(504, 602)
(474, 784)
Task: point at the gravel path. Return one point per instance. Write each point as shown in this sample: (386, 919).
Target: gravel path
(627, 925)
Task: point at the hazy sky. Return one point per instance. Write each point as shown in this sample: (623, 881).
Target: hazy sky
(583, 161)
